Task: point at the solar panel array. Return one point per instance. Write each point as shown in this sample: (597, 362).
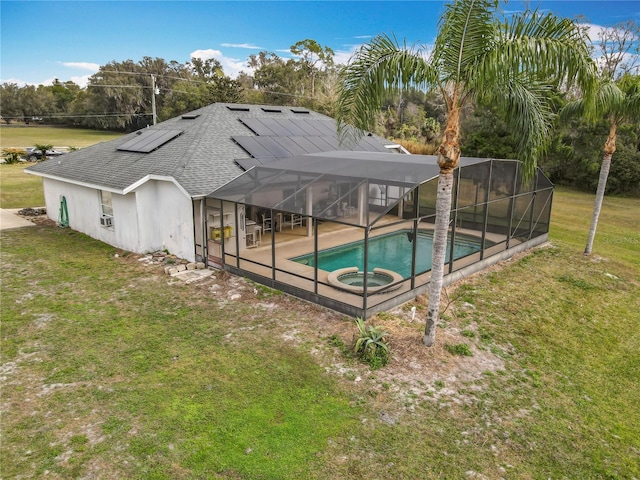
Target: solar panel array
(286, 127)
(148, 140)
(278, 138)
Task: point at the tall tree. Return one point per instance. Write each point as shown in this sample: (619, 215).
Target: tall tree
(219, 87)
(276, 78)
(63, 94)
(9, 102)
(617, 98)
(34, 102)
(119, 97)
(476, 57)
(312, 57)
(207, 69)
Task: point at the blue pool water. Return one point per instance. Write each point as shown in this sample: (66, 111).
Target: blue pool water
(391, 251)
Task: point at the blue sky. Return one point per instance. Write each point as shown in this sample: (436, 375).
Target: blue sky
(68, 40)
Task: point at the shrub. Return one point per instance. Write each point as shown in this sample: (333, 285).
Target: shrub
(12, 155)
(459, 349)
(371, 346)
(468, 333)
(417, 148)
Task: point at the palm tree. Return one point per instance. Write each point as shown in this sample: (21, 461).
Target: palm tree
(476, 59)
(619, 101)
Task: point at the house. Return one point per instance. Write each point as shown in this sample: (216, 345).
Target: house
(145, 191)
(270, 193)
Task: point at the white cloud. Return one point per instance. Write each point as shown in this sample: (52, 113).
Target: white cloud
(48, 81)
(24, 83)
(92, 67)
(283, 50)
(17, 81)
(230, 66)
(241, 45)
(341, 57)
(593, 31)
(82, 81)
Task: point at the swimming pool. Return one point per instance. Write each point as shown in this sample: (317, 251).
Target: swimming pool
(391, 251)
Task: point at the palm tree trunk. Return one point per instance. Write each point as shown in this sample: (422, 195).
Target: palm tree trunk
(443, 213)
(609, 150)
(448, 160)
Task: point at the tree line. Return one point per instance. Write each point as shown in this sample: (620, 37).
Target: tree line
(121, 96)
(127, 95)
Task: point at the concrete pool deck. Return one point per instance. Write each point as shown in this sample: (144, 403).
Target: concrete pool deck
(295, 242)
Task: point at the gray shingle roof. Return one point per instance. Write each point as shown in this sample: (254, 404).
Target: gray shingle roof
(200, 160)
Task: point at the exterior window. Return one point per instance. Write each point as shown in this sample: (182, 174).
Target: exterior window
(106, 209)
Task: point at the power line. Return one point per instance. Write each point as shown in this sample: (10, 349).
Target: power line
(285, 94)
(118, 86)
(93, 115)
(140, 86)
(193, 81)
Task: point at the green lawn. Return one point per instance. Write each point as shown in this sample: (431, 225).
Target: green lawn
(618, 233)
(19, 189)
(23, 136)
(112, 370)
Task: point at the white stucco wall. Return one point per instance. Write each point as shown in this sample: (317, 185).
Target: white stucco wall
(165, 219)
(157, 216)
(83, 205)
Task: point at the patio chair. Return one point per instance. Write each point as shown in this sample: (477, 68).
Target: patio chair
(267, 222)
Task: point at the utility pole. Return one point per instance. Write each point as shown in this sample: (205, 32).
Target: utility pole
(153, 97)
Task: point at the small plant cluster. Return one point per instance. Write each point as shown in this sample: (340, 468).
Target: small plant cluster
(12, 155)
(371, 346)
(263, 291)
(576, 282)
(459, 349)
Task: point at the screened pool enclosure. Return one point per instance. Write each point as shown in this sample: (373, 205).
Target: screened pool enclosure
(311, 225)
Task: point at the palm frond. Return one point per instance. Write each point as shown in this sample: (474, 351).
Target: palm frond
(630, 86)
(633, 108)
(545, 47)
(466, 33)
(527, 107)
(573, 109)
(532, 55)
(608, 99)
(379, 67)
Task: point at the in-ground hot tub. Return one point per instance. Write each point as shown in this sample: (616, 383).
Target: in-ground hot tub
(352, 280)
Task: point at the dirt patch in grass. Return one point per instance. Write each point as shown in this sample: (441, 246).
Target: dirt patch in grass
(40, 220)
(415, 374)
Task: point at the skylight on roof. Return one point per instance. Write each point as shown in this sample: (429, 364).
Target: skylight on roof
(300, 110)
(190, 116)
(237, 108)
(149, 140)
(272, 109)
